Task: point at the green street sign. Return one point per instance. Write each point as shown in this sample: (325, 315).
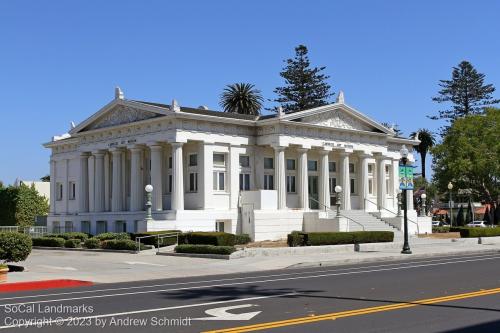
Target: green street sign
(405, 177)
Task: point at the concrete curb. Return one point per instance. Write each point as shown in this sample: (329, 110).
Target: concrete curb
(80, 249)
(353, 261)
(489, 240)
(196, 255)
(284, 251)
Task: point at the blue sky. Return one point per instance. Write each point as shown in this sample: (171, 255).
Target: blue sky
(60, 60)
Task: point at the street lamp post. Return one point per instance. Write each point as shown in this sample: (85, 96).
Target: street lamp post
(450, 187)
(399, 202)
(406, 246)
(338, 190)
(423, 197)
(148, 189)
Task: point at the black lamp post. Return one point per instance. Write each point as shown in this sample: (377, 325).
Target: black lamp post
(406, 245)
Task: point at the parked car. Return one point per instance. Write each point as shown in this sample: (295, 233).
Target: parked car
(436, 223)
(478, 224)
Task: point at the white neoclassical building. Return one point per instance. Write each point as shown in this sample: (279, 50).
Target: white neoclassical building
(210, 170)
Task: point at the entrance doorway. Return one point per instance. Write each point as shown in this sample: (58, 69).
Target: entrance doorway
(313, 192)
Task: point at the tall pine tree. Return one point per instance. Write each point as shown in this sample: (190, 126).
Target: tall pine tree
(305, 87)
(466, 92)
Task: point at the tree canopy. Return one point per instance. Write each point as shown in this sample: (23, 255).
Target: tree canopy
(305, 87)
(427, 141)
(20, 205)
(241, 98)
(469, 154)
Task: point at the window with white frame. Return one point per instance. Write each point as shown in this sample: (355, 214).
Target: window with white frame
(72, 190)
(85, 226)
(193, 182)
(101, 227)
(332, 166)
(193, 173)
(244, 161)
(291, 166)
(120, 226)
(371, 180)
(268, 173)
(290, 184)
(59, 189)
(351, 168)
(244, 181)
(312, 165)
(219, 178)
(388, 187)
(245, 172)
(332, 182)
(352, 180)
(193, 160)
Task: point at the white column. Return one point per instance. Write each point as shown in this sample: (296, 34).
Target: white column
(363, 179)
(91, 163)
(206, 174)
(124, 180)
(381, 188)
(234, 175)
(409, 196)
(280, 176)
(66, 186)
(324, 178)
(156, 180)
(107, 183)
(303, 185)
(136, 180)
(99, 182)
(83, 186)
(116, 192)
(177, 177)
(346, 181)
(395, 182)
(53, 190)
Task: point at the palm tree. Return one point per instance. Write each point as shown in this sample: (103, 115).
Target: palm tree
(241, 98)
(427, 141)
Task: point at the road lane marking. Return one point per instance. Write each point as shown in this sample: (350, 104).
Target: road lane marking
(356, 312)
(244, 282)
(63, 320)
(65, 268)
(222, 314)
(450, 259)
(144, 263)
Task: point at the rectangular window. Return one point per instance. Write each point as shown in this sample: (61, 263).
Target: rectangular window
(290, 164)
(85, 226)
(370, 168)
(170, 162)
(193, 160)
(353, 186)
(290, 184)
(193, 182)
(219, 181)
(244, 181)
(312, 165)
(332, 167)
(68, 226)
(59, 188)
(219, 226)
(169, 183)
(219, 159)
(101, 227)
(351, 167)
(268, 182)
(332, 183)
(268, 163)
(72, 190)
(120, 226)
(370, 186)
(244, 161)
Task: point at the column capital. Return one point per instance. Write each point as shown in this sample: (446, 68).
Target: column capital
(324, 152)
(84, 154)
(302, 150)
(364, 155)
(381, 157)
(135, 149)
(278, 148)
(344, 153)
(98, 153)
(176, 144)
(116, 150)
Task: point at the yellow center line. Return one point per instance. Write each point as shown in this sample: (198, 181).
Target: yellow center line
(357, 312)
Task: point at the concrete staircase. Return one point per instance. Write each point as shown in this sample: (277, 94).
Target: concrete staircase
(368, 221)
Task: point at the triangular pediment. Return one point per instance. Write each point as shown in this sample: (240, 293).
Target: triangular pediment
(115, 114)
(338, 116)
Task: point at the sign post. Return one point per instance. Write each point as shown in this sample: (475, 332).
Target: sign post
(405, 184)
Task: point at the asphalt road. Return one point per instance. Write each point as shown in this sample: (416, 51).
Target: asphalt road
(450, 294)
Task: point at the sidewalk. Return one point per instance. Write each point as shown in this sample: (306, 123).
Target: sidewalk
(122, 267)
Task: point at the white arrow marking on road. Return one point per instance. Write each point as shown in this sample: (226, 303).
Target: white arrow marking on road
(66, 268)
(143, 263)
(222, 314)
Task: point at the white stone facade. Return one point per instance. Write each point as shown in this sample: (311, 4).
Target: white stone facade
(200, 162)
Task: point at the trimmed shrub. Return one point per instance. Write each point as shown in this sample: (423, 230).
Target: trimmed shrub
(479, 232)
(72, 243)
(113, 235)
(242, 239)
(440, 230)
(204, 249)
(122, 244)
(209, 238)
(153, 241)
(297, 238)
(14, 246)
(92, 243)
(70, 235)
(49, 241)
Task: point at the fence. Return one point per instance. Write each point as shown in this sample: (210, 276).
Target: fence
(33, 232)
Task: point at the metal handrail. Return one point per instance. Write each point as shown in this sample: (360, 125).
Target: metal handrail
(395, 214)
(158, 237)
(337, 214)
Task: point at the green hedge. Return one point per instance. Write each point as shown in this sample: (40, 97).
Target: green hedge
(92, 243)
(440, 230)
(242, 239)
(153, 241)
(204, 249)
(298, 238)
(70, 235)
(14, 246)
(479, 232)
(72, 243)
(208, 238)
(49, 241)
(119, 244)
(113, 235)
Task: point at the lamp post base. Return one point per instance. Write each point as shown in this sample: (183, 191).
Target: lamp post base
(406, 251)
